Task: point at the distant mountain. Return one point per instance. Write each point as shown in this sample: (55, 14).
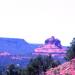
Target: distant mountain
(16, 46)
(15, 51)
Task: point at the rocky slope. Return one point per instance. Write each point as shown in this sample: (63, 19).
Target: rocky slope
(67, 68)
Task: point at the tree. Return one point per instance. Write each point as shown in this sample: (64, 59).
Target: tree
(71, 51)
(13, 70)
(10, 69)
(40, 64)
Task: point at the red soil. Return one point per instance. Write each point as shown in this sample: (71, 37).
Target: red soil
(67, 68)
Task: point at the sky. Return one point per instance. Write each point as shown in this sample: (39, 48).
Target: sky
(37, 20)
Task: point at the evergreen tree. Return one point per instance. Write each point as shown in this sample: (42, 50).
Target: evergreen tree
(71, 51)
(40, 64)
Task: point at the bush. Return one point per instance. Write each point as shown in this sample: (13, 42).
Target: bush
(40, 64)
(71, 51)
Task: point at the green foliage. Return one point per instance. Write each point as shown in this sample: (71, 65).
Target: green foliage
(13, 70)
(71, 51)
(37, 66)
(40, 64)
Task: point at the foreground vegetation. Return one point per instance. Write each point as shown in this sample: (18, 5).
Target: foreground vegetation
(36, 66)
(71, 51)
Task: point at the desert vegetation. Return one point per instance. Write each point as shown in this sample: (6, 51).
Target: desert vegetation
(37, 66)
(70, 54)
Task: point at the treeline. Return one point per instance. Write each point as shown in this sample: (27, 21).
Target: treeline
(36, 66)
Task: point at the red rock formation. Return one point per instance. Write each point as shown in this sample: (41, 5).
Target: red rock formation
(67, 68)
(52, 46)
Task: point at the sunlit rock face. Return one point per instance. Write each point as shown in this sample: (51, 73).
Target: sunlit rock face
(52, 46)
(67, 68)
(4, 53)
(14, 57)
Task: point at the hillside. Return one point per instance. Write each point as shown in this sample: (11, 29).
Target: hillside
(67, 68)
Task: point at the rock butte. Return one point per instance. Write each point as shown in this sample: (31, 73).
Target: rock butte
(51, 46)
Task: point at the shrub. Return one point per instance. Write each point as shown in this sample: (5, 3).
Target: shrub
(71, 51)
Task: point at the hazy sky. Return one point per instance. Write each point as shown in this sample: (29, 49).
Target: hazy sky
(36, 20)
